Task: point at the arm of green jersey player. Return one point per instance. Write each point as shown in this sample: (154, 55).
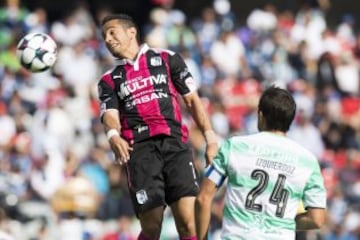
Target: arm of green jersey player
(203, 208)
(313, 218)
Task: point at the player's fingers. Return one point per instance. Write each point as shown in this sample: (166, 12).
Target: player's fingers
(208, 160)
(125, 155)
(119, 155)
(118, 161)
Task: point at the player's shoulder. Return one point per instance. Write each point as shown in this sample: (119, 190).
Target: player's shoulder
(295, 146)
(162, 51)
(108, 72)
(244, 138)
(237, 141)
(106, 79)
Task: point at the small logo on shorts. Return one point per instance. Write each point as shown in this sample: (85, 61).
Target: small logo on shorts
(141, 196)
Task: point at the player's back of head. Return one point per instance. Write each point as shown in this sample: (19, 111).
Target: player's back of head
(278, 108)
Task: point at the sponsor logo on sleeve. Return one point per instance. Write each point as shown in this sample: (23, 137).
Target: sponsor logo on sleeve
(184, 73)
(190, 83)
(118, 76)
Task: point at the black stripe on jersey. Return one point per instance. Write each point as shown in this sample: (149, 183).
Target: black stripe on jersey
(165, 105)
(119, 77)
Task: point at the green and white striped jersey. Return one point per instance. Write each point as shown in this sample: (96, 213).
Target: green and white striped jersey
(267, 177)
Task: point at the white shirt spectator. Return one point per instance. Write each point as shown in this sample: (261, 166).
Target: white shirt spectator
(5, 236)
(227, 53)
(347, 74)
(69, 32)
(310, 28)
(7, 126)
(260, 20)
(78, 68)
(46, 180)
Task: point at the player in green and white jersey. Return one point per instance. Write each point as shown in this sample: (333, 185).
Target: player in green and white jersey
(268, 176)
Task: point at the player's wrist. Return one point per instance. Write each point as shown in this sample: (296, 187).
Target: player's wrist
(111, 133)
(210, 137)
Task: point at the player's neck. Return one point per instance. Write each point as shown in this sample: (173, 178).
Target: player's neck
(277, 132)
(132, 52)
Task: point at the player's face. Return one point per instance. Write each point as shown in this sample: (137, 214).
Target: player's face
(117, 37)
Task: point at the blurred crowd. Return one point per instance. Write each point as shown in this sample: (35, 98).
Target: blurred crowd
(58, 179)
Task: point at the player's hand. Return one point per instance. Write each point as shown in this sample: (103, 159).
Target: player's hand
(121, 149)
(211, 151)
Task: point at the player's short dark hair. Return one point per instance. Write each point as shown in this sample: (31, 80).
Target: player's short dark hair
(278, 108)
(126, 20)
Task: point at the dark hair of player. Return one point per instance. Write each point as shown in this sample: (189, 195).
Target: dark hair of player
(278, 108)
(125, 20)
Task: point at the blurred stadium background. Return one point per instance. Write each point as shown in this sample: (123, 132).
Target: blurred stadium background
(57, 177)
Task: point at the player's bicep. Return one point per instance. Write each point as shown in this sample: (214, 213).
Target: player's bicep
(208, 189)
(108, 99)
(315, 192)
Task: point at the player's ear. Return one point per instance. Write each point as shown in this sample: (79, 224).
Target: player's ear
(261, 121)
(132, 32)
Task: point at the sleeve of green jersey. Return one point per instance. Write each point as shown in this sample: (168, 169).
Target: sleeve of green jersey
(221, 159)
(315, 192)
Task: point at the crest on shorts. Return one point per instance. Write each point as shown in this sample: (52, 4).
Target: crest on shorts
(141, 196)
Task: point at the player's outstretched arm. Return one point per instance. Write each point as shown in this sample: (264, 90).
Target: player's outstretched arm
(313, 218)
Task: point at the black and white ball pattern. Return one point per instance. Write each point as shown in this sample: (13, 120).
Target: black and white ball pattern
(37, 52)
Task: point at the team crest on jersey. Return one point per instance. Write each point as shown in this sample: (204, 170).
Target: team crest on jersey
(141, 196)
(155, 61)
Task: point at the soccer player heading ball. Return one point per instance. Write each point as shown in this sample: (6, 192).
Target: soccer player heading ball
(142, 119)
(268, 176)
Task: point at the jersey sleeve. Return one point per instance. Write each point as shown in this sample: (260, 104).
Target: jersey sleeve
(217, 172)
(315, 192)
(108, 98)
(180, 75)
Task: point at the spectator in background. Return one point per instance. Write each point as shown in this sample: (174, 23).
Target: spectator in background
(179, 34)
(4, 234)
(37, 21)
(155, 35)
(48, 176)
(69, 31)
(347, 74)
(12, 19)
(207, 28)
(303, 131)
(7, 127)
(73, 74)
(228, 54)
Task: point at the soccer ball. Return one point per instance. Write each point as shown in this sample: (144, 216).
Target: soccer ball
(37, 52)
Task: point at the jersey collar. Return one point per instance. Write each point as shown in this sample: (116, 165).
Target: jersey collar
(143, 49)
